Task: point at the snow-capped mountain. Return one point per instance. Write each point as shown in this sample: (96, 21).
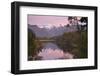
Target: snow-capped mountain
(51, 32)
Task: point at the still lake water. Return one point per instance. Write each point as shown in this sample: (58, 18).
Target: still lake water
(51, 51)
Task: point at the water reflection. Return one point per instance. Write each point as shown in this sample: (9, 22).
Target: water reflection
(51, 51)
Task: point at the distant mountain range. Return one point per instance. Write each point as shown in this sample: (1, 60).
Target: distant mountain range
(51, 32)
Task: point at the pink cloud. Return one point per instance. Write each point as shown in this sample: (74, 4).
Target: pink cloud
(48, 21)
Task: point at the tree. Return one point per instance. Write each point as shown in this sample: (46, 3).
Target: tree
(34, 45)
(31, 43)
(85, 21)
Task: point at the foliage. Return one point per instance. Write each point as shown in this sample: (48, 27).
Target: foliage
(84, 52)
(31, 43)
(34, 45)
(74, 42)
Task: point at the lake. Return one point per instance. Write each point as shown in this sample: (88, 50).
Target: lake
(51, 51)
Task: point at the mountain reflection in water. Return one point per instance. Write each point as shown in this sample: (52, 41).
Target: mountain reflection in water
(51, 51)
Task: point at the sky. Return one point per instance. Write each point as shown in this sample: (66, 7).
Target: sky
(47, 21)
